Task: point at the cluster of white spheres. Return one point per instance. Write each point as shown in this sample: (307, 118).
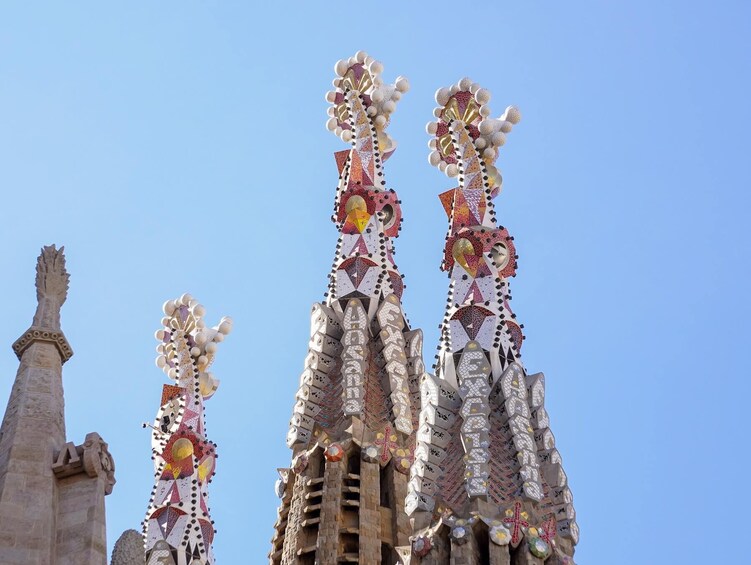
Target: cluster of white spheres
(383, 96)
(205, 339)
(492, 130)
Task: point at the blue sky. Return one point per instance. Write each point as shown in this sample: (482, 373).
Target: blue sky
(180, 146)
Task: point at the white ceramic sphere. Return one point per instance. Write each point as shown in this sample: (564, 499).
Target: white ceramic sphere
(486, 127)
(341, 67)
(211, 348)
(331, 124)
(499, 138)
(402, 84)
(465, 83)
(480, 142)
(452, 170)
(513, 114)
(169, 307)
(331, 96)
(442, 96)
(376, 68)
(380, 120)
(159, 335)
(482, 96)
(431, 128)
(195, 351)
(434, 158)
(360, 56)
(161, 361)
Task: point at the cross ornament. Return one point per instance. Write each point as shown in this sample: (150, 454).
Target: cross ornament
(548, 530)
(386, 441)
(516, 521)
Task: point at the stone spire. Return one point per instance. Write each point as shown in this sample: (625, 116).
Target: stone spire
(51, 492)
(487, 479)
(353, 426)
(178, 528)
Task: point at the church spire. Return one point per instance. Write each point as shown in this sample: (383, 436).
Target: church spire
(355, 416)
(178, 528)
(51, 491)
(486, 470)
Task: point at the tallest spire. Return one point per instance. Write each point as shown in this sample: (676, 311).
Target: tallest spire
(353, 425)
(367, 214)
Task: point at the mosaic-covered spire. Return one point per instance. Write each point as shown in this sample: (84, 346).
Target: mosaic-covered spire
(178, 529)
(355, 414)
(365, 284)
(485, 450)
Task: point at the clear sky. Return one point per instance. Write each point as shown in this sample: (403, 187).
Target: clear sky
(180, 146)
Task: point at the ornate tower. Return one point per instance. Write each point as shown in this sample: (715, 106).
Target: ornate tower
(353, 426)
(51, 491)
(487, 484)
(178, 529)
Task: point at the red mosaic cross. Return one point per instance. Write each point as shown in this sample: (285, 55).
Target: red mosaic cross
(548, 529)
(387, 443)
(515, 523)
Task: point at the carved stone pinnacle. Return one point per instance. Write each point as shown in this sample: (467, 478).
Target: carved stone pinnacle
(52, 290)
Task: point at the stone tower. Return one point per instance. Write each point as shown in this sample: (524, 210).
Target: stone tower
(178, 529)
(353, 426)
(487, 485)
(51, 491)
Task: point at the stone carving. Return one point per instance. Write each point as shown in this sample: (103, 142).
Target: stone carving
(97, 460)
(128, 549)
(92, 458)
(52, 287)
(52, 290)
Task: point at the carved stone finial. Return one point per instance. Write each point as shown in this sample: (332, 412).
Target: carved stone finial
(128, 549)
(52, 290)
(52, 287)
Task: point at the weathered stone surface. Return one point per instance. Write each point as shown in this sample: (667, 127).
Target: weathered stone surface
(51, 491)
(128, 549)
